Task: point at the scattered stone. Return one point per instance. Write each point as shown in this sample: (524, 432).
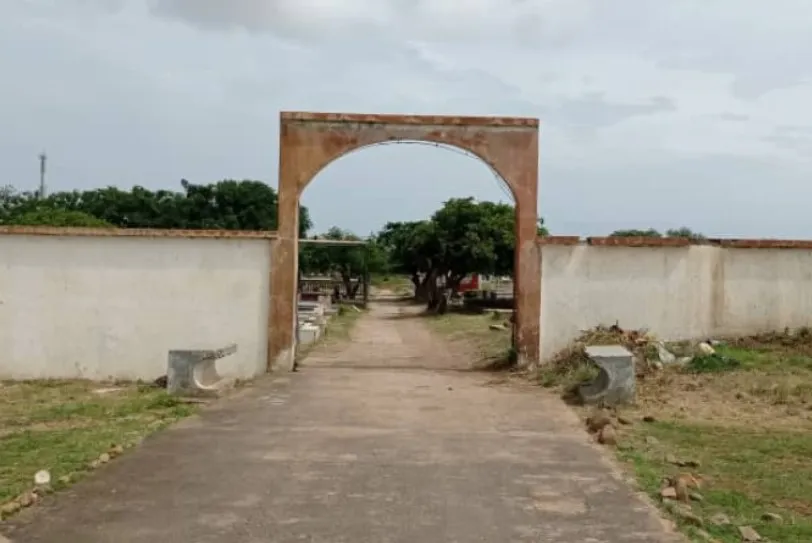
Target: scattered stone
(598, 420)
(705, 349)
(683, 360)
(649, 418)
(651, 440)
(27, 499)
(116, 450)
(681, 490)
(696, 496)
(497, 327)
(686, 514)
(668, 493)
(749, 534)
(705, 536)
(671, 459)
(607, 436)
(104, 458)
(42, 477)
(665, 356)
(43, 490)
(65, 479)
(94, 464)
(103, 391)
(623, 420)
(772, 517)
(720, 519)
(10, 508)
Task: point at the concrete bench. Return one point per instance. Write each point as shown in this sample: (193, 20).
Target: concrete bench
(615, 384)
(195, 371)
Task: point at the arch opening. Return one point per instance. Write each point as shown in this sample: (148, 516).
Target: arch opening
(311, 141)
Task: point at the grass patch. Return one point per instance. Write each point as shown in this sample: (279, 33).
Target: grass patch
(342, 323)
(744, 414)
(491, 347)
(62, 426)
(338, 329)
(396, 284)
(747, 473)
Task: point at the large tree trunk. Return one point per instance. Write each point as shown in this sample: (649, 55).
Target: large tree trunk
(435, 292)
(416, 285)
(423, 291)
(346, 280)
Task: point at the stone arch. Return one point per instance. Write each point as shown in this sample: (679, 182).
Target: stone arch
(310, 141)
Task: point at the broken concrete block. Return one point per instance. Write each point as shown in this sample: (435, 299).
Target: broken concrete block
(615, 384)
(195, 371)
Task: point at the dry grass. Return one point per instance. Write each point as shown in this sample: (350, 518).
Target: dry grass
(472, 333)
(61, 426)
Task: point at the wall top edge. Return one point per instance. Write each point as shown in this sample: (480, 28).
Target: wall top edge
(134, 232)
(731, 243)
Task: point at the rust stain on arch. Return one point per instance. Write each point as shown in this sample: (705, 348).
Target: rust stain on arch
(309, 141)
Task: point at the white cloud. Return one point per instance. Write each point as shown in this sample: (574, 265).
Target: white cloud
(637, 99)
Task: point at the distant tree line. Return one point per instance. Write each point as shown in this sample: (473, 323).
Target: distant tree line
(224, 205)
(683, 232)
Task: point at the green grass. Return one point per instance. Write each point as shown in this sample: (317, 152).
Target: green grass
(747, 473)
(398, 284)
(744, 415)
(338, 329)
(62, 426)
(492, 348)
(340, 326)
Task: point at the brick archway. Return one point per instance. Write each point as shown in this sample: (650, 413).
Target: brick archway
(308, 142)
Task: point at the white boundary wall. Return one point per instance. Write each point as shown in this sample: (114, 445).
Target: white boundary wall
(692, 292)
(112, 307)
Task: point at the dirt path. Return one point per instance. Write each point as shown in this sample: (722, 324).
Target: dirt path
(390, 336)
(351, 450)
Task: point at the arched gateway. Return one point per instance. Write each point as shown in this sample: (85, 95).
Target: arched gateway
(310, 141)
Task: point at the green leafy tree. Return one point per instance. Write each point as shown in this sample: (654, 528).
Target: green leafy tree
(631, 233)
(227, 204)
(685, 232)
(464, 236)
(350, 262)
(58, 217)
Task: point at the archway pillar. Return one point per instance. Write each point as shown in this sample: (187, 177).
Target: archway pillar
(310, 141)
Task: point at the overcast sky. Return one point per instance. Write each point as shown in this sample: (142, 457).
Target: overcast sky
(654, 113)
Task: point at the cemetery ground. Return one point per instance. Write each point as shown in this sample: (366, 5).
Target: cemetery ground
(738, 423)
(71, 427)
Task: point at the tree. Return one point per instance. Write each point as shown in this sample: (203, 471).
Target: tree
(631, 233)
(350, 262)
(58, 217)
(464, 236)
(685, 232)
(226, 204)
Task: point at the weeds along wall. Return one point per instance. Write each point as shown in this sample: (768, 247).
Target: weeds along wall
(110, 304)
(675, 290)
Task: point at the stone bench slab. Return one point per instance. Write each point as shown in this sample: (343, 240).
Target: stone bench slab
(615, 384)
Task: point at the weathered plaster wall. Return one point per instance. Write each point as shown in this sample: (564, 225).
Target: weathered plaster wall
(677, 291)
(103, 306)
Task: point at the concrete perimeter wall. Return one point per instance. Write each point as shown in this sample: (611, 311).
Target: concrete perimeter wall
(111, 304)
(672, 288)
